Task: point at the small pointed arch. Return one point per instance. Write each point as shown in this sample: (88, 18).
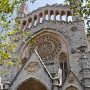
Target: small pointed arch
(57, 15)
(63, 15)
(52, 15)
(24, 22)
(40, 16)
(63, 57)
(29, 22)
(46, 14)
(23, 25)
(35, 20)
(69, 15)
(71, 88)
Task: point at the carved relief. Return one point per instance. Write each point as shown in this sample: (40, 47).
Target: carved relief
(32, 67)
(70, 79)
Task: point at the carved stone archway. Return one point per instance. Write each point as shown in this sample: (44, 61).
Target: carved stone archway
(32, 84)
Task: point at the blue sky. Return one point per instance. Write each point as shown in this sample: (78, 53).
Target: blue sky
(40, 3)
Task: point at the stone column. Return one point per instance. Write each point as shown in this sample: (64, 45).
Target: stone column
(43, 18)
(54, 16)
(27, 24)
(32, 23)
(66, 16)
(38, 19)
(84, 66)
(60, 17)
(49, 15)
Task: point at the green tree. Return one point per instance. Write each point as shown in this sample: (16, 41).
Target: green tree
(83, 11)
(8, 10)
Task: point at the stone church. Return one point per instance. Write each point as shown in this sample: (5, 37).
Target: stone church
(59, 59)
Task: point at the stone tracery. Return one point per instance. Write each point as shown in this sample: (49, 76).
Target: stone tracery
(63, 57)
(47, 47)
(63, 64)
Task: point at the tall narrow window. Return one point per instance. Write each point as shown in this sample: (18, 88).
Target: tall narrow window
(63, 65)
(63, 16)
(52, 15)
(40, 15)
(35, 20)
(29, 21)
(69, 15)
(23, 25)
(57, 16)
(46, 14)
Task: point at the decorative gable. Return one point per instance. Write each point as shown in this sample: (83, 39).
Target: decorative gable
(33, 68)
(72, 83)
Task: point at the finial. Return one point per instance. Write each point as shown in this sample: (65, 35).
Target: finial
(23, 9)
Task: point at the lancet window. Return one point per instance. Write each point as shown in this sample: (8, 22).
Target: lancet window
(63, 65)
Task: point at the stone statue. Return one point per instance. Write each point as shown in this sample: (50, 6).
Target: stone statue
(60, 75)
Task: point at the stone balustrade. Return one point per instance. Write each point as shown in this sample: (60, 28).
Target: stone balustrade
(55, 12)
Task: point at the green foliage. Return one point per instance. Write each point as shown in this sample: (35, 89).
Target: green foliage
(83, 11)
(8, 10)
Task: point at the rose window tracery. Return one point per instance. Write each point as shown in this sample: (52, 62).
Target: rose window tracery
(47, 47)
(44, 47)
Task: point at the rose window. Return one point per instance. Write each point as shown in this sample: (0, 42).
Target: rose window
(48, 47)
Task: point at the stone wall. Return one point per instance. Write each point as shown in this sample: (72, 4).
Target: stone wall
(72, 33)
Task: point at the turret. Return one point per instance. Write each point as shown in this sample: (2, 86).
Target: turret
(23, 9)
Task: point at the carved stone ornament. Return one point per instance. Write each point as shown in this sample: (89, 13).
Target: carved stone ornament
(32, 67)
(74, 28)
(70, 79)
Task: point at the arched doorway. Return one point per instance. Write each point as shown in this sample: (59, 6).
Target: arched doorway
(32, 84)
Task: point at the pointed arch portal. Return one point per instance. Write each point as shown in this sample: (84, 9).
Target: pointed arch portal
(32, 84)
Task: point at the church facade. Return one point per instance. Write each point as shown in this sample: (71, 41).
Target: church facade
(59, 59)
